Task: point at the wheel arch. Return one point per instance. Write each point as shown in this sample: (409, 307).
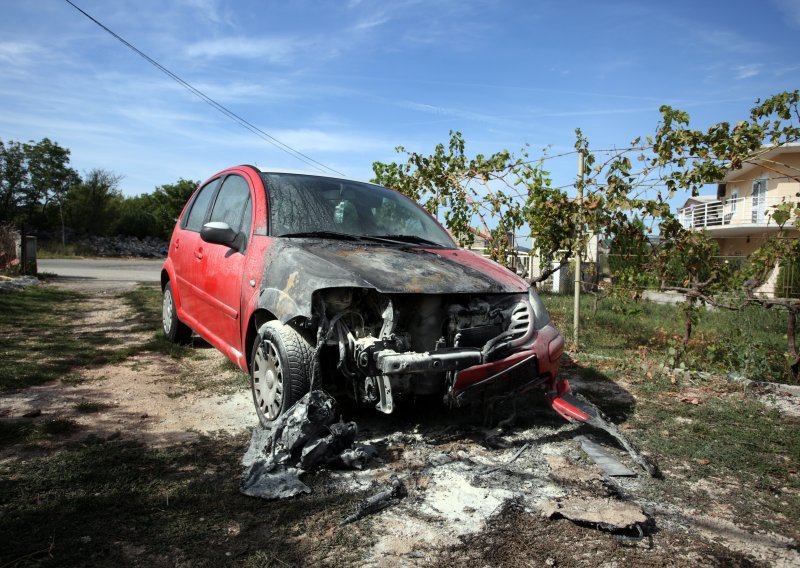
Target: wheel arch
(259, 318)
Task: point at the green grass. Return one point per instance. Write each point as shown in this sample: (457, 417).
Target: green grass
(119, 503)
(750, 452)
(88, 407)
(40, 342)
(751, 342)
(54, 249)
(145, 300)
(732, 439)
(27, 431)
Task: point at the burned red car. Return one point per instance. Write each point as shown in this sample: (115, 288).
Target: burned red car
(308, 282)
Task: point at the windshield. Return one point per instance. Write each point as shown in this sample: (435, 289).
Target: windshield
(305, 205)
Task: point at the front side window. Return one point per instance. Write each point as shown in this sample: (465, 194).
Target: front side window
(199, 207)
(232, 201)
(302, 204)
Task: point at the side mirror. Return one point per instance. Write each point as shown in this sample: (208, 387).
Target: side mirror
(219, 233)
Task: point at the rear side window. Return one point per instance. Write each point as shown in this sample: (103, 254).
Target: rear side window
(194, 221)
(232, 200)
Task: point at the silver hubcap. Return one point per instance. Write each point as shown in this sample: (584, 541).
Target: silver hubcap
(268, 380)
(167, 308)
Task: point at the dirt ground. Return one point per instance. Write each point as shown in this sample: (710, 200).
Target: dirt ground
(477, 493)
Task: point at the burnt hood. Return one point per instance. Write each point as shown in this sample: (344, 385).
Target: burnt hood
(295, 268)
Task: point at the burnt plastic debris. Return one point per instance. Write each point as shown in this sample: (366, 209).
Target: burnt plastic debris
(305, 438)
(378, 502)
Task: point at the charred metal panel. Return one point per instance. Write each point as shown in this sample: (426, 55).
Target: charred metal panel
(299, 267)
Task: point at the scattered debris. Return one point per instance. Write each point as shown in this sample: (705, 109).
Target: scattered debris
(608, 463)
(565, 471)
(305, 437)
(606, 513)
(573, 408)
(8, 284)
(691, 400)
(379, 501)
(509, 462)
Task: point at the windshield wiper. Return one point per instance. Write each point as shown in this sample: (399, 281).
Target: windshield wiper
(406, 239)
(323, 235)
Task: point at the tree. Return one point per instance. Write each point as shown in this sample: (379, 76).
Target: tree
(49, 179)
(13, 178)
(168, 201)
(501, 195)
(689, 158)
(92, 206)
(136, 218)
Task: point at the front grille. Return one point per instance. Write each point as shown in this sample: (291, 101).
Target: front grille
(520, 320)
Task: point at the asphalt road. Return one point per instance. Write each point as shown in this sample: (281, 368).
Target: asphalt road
(101, 273)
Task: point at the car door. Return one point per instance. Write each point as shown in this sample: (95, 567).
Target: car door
(185, 242)
(222, 267)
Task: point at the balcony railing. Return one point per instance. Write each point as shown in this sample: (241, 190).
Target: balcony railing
(754, 210)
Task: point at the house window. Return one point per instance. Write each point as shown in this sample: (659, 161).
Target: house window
(759, 200)
(734, 200)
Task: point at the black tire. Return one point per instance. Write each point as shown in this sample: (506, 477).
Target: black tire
(174, 329)
(280, 369)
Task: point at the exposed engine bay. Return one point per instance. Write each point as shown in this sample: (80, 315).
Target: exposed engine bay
(389, 346)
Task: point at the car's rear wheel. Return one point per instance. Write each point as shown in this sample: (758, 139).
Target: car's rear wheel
(174, 329)
(280, 369)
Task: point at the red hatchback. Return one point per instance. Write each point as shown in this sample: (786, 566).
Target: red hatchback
(309, 282)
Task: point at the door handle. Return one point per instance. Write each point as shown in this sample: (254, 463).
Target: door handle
(198, 254)
(177, 244)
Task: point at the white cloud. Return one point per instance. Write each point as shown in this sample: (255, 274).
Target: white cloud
(272, 50)
(725, 41)
(747, 71)
(372, 22)
(447, 111)
(18, 52)
(209, 9)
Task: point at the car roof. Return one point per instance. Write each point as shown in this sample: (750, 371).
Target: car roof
(307, 173)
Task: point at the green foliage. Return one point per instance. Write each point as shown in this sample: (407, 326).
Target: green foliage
(135, 217)
(750, 347)
(167, 203)
(789, 278)
(35, 179)
(749, 342)
(154, 214)
(500, 196)
(38, 188)
(13, 178)
(93, 205)
(630, 258)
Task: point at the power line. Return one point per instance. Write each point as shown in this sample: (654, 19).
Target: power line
(211, 102)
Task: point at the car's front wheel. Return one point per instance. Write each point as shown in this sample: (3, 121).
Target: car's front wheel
(280, 369)
(174, 329)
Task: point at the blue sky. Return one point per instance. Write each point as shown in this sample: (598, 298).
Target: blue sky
(345, 82)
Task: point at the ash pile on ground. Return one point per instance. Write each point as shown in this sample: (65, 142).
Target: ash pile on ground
(459, 476)
(455, 475)
(448, 479)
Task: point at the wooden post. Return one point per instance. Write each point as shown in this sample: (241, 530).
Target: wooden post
(577, 252)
